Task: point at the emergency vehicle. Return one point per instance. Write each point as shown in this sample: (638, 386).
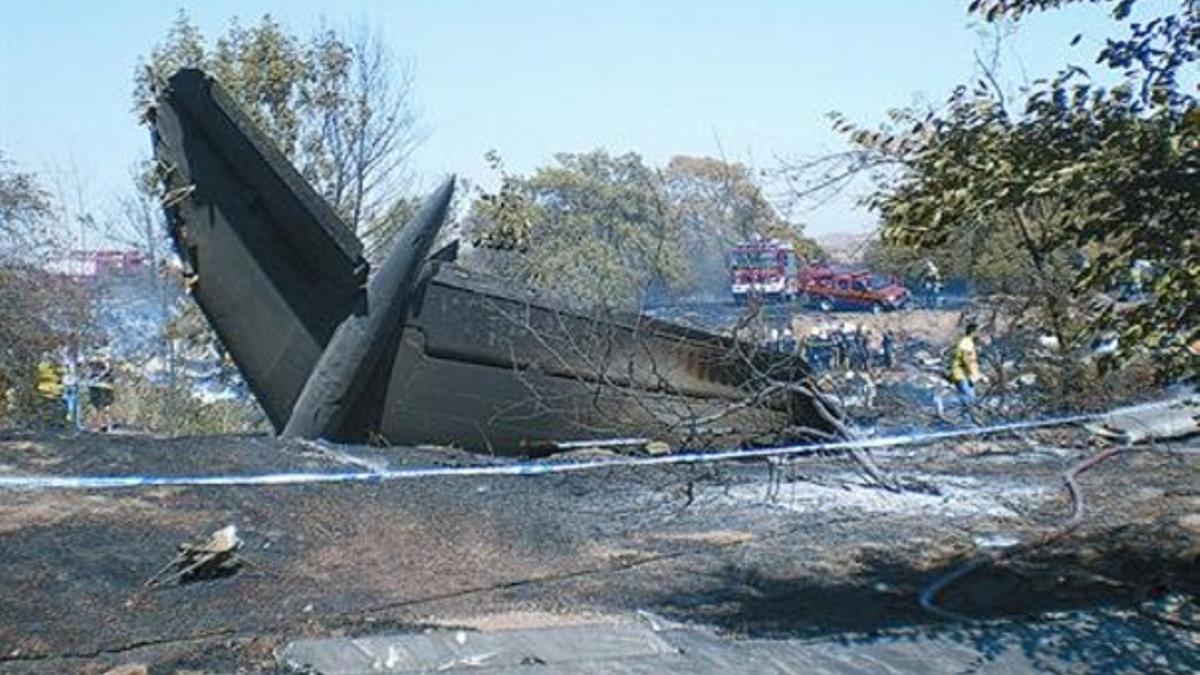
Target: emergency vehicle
(766, 269)
(828, 289)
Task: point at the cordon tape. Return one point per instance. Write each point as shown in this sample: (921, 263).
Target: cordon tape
(534, 468)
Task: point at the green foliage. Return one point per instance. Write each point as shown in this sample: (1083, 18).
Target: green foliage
(335, 105)
(718, 200)
(24, 334)
(264, 68)
(991, 259)
(595, 227)
(1114, 172)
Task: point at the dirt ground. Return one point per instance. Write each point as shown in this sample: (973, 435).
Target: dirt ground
(817, 553)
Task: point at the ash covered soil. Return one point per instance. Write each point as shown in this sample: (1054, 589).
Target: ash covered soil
(805, 550)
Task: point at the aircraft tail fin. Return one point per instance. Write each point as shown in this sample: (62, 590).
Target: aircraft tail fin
(270, 264)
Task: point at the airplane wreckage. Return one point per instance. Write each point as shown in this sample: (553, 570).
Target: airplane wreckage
(422, 350)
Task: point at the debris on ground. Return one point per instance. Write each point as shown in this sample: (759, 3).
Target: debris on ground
(454, 650)
(658, 448)
(213, 556)
(1163, 420)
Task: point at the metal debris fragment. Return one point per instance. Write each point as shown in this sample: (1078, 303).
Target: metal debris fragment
(204, 558)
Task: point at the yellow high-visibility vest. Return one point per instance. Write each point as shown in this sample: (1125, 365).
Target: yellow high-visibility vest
(49, 380)
(965, 365)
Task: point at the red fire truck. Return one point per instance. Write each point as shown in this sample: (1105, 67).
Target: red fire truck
(766, 269)
(98, 264)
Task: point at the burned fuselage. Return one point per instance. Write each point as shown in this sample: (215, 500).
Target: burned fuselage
(421, 350)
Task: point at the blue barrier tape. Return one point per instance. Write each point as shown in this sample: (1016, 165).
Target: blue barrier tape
(537, 468)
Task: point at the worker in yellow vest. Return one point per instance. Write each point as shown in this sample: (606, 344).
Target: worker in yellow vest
(50, 392)
(50, 380)
(964, 365)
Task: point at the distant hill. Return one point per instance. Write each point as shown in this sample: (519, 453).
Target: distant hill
(845, 247)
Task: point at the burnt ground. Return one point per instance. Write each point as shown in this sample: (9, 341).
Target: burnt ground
(825, 555)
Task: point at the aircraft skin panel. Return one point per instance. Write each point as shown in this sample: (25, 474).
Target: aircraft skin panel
(492, 409)
(495, 404)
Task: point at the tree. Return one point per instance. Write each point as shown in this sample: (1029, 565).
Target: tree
(719, 205)
(1128, 161)
(38, 310)
(719, 200)
(1113, 174)
(24, 209)
(338, 106)
(593, 228)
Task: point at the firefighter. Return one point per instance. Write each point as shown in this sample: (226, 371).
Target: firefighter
(889, 349)
(964, 365)
(837, 356)
(817, 349)
(844, 346)
(100, 391)
(860, 350)
(787, 343)
(931, 284)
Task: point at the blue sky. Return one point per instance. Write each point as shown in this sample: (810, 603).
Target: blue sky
(750, 81)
